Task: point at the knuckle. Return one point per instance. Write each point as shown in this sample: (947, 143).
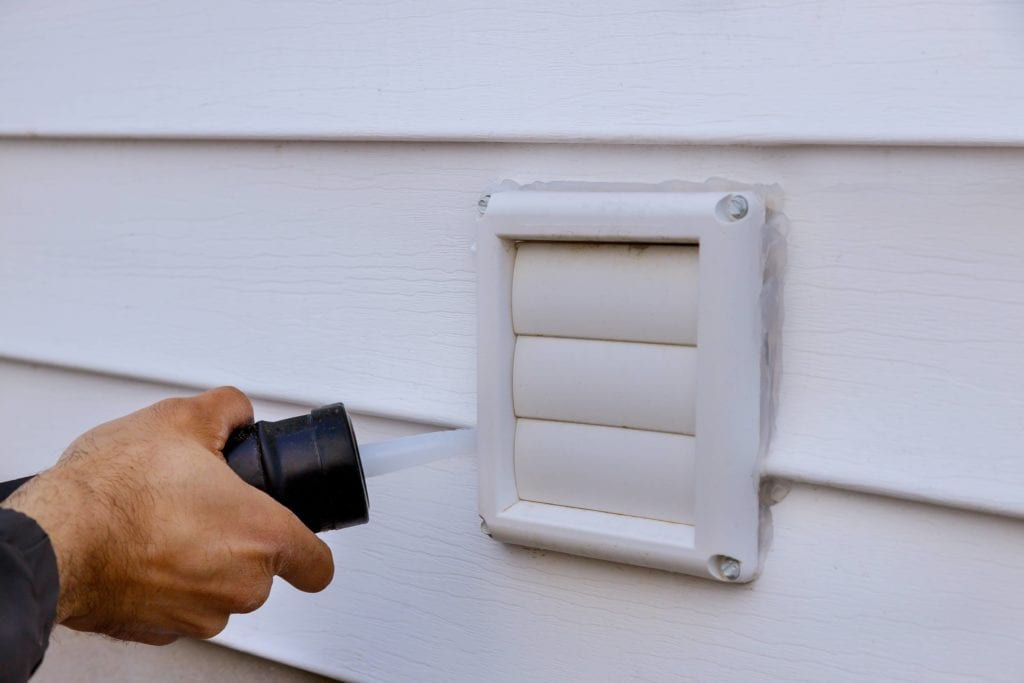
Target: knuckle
(210, 627)
(232, 393)
(253, 599)
(163, 640)
(231, 396)
(227, 407)
(182, 412)
(157, 639)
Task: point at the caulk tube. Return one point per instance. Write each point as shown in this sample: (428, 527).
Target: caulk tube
(310, 464)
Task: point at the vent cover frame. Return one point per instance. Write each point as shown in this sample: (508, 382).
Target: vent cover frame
(723, 543)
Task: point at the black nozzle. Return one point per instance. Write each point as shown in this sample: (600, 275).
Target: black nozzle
(310, 464)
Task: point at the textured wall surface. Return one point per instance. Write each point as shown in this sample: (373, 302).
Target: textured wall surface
(649, 70)
(283, 196)
(855, 587)
(314, 272)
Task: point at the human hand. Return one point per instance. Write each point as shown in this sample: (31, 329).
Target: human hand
(155, 536)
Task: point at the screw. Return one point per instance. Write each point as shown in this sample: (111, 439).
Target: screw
(729, 567)
(737, 207)
(483, 526)
(482, 204)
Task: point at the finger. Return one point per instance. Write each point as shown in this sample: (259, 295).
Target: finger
(250, 593)
(302, 559)
(220, 411)
(202, 624)
(208, 627)
(153, 638)
(228, 405)
(252, 601)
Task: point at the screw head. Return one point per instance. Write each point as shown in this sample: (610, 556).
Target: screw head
(737, 207)
(482, 204)
(729, 568)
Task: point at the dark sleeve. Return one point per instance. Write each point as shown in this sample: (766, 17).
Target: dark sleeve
(29, 587)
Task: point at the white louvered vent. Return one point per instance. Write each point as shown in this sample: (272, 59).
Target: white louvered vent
(619, 368)
(604, 376)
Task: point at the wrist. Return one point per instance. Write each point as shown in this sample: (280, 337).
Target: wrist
(55, 505)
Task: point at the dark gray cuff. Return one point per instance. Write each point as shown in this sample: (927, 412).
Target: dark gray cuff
(29, 588)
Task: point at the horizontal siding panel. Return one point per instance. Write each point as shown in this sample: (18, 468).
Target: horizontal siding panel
(855, 588)
(752, 71)
(330, 272)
